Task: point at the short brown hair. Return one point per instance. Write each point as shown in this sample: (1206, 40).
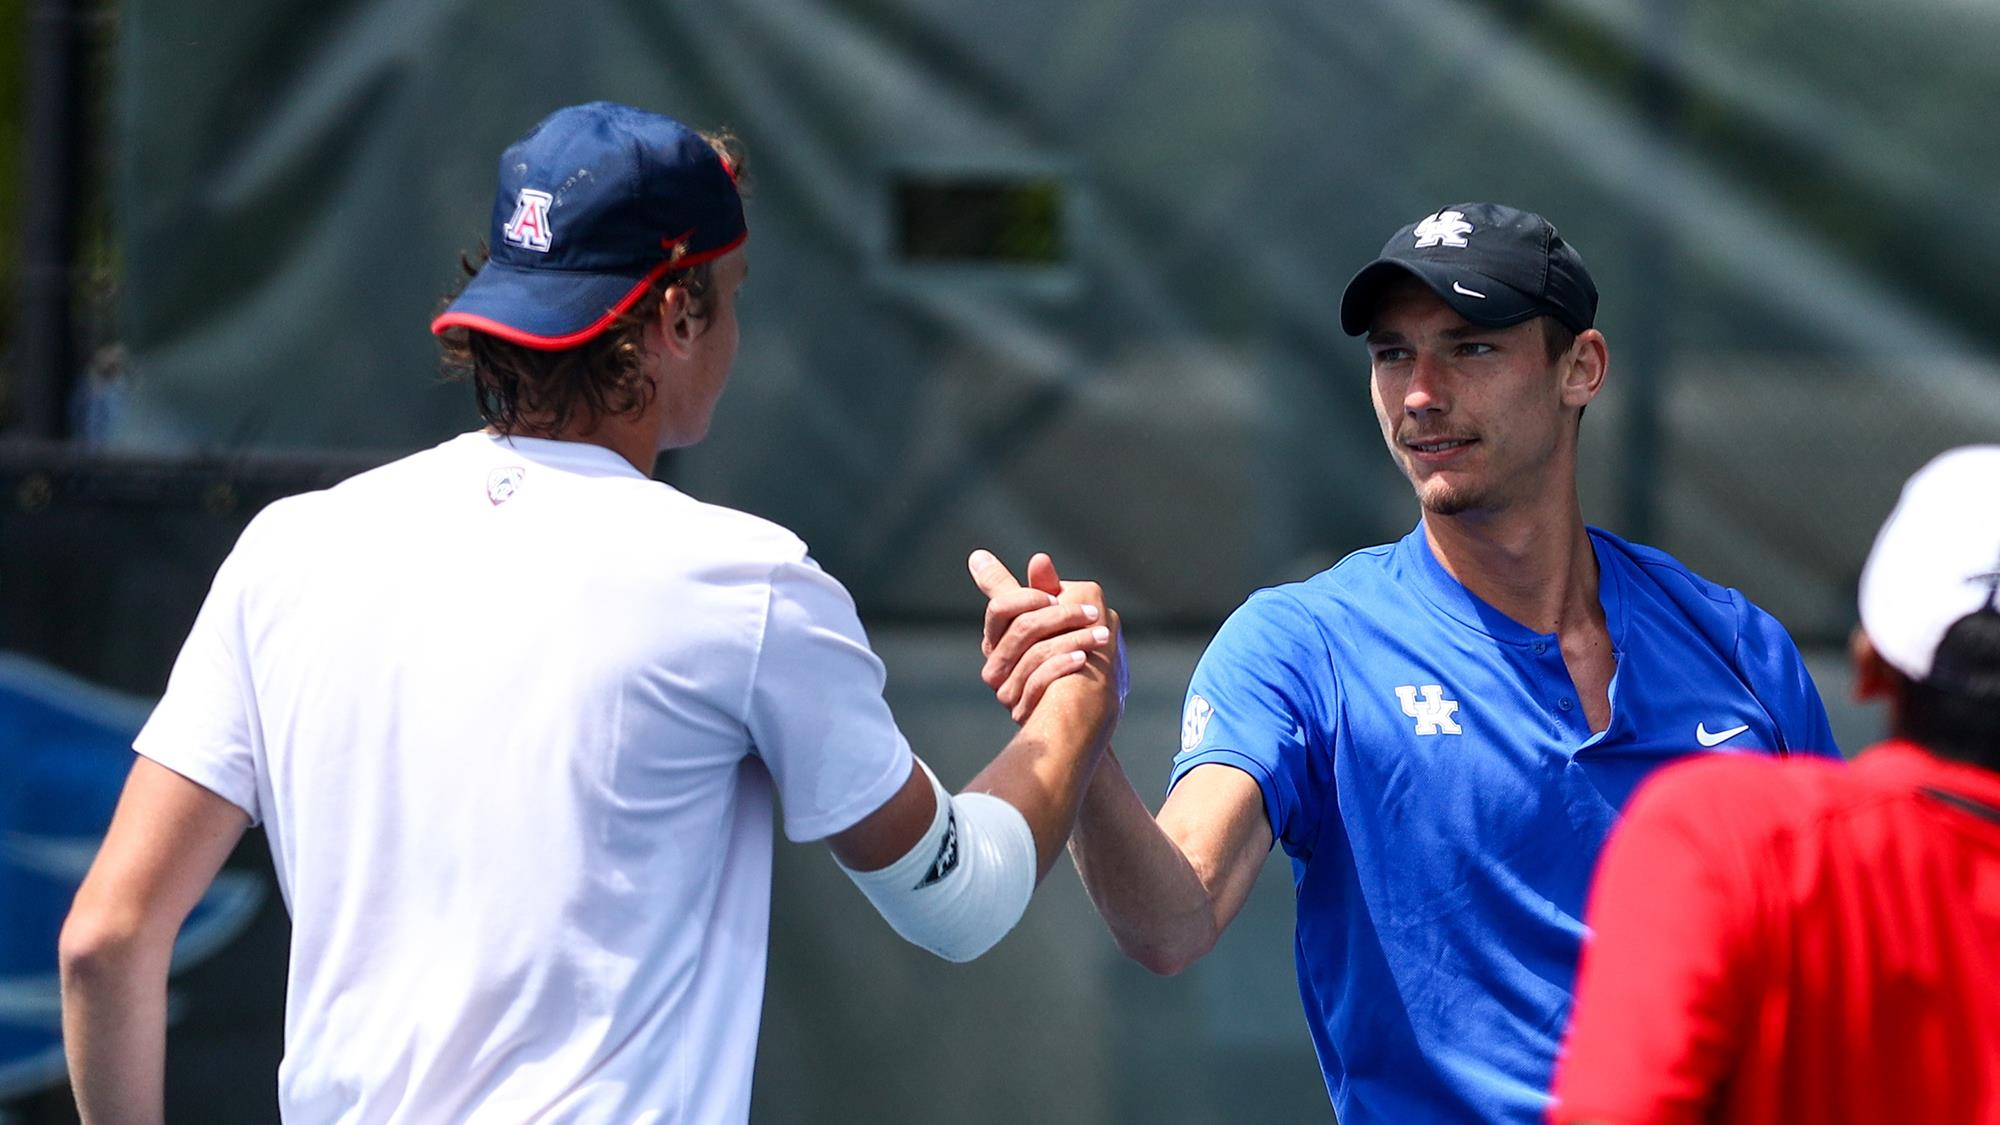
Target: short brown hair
(1955, 711)
(536, 392)
(1557, 337)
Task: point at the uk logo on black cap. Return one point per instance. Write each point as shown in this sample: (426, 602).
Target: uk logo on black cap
(1517, 268)
(1446, 228)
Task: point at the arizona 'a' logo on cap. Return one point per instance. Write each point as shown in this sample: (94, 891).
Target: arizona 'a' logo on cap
(1446, 228)
(530, 225)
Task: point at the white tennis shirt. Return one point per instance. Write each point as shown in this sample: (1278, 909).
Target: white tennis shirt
(512, 715)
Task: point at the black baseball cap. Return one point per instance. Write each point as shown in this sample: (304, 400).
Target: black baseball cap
(593, 205)
(1494, 265)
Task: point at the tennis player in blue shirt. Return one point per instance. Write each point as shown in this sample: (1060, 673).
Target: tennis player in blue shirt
(1439, 731)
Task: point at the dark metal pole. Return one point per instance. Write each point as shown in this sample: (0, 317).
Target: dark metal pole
(51, 183)
(1648, 358)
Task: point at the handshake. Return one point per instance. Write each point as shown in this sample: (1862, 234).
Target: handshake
(954, 873)
(1052, 642)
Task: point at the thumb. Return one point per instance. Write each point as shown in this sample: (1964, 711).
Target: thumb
(1042, 574)
(990, 574)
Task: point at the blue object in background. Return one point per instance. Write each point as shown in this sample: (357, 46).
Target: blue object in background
(65, 748)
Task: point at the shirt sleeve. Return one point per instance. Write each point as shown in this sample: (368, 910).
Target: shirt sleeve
(204, 726)
(1261, 700)
(1775, 670)
(815, 713)
(1662, 995)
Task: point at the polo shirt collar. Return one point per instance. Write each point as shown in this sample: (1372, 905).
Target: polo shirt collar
(1450, 597)
(582, 457)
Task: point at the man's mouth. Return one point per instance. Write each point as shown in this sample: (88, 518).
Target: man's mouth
(1437, 446)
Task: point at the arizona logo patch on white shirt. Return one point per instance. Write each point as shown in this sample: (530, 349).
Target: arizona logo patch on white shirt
(502, 483)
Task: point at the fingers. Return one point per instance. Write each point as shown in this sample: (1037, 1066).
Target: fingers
(1006, 599)
(990, 574)
(1065, 652)
(1083, 593)
(1042, 574)
(1019, 617)
(1038, 683)
(1005, 609)
(1102, 661)
(1015, 622)
(1032, 625)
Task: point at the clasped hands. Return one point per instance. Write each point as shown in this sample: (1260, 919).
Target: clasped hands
(1050, 640)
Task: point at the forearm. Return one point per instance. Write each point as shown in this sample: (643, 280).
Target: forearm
(1154, 902)
(114, 1030)
(1043, 772)
(166, 842)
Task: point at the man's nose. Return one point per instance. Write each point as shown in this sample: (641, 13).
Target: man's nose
(1425, 393)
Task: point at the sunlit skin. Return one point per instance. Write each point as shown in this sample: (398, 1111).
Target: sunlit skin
(1479, 419)
(1485, 427)
(691, 356)
(1484, 424)
(687, 357)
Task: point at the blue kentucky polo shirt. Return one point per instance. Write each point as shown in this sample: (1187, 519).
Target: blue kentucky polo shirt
(1426, 765)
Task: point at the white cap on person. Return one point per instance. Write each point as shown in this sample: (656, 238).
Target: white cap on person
(1936, 560)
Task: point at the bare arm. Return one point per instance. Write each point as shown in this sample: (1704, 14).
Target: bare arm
(1168, 887)
(167, 840)
(1043, 771)
(1046, 768)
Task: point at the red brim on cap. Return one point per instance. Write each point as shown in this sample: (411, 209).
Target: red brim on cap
(550, 310)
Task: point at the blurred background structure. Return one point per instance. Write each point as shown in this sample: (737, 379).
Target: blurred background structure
(1029, 276)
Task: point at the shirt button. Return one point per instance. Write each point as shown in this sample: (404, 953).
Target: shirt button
(1541, 647)
(1564, 703)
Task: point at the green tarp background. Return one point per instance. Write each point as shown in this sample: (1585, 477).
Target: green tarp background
(1787, 206)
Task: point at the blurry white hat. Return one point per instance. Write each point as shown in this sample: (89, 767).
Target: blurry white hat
(1936, 560)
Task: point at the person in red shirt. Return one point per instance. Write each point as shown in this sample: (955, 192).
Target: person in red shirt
(1798, 941)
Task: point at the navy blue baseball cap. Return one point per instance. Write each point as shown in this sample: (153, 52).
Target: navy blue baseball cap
(593, 205)
(1494, 265)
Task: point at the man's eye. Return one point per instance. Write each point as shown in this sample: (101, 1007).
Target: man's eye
(1392, 355)
(1474, 348)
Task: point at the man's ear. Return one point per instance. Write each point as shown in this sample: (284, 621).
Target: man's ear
(1584, 368)
(1873, 678)
(676, 321)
